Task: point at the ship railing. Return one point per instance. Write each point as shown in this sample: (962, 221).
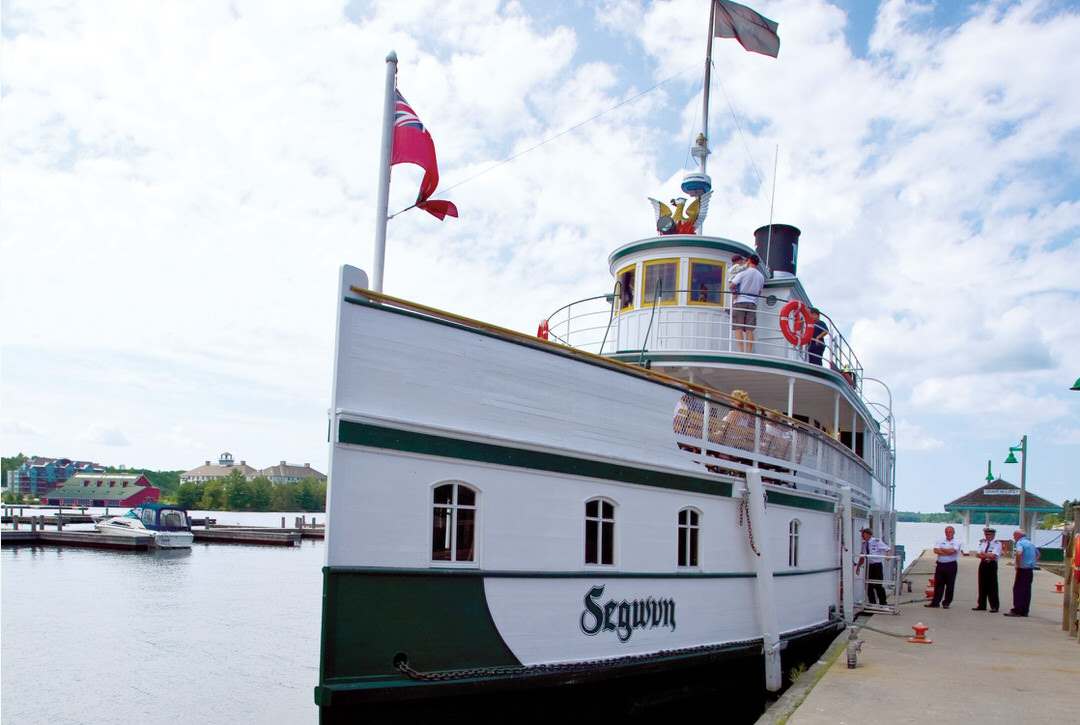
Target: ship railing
(597, 325)
(739, 436)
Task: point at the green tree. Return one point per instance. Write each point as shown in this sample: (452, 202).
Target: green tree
(189, 494)
(261, 489)
(283, 497)
(306, 498)
(237, 491)
(213, 498)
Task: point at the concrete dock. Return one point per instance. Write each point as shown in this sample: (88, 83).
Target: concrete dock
(981, 667)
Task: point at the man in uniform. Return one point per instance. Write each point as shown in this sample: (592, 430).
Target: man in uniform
(873, 550)
(989, 553)
(948, 550)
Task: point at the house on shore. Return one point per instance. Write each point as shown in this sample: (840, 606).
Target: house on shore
(291, 473)
(103, 489)
(211, 472)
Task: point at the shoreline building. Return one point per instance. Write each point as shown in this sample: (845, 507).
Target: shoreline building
(102, 490)
(291, 473)
(210, 472)
(38, 476)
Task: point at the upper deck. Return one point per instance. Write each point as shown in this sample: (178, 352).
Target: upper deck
(671, 310)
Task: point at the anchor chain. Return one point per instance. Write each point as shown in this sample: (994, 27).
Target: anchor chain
(403, 666)
(744, 508)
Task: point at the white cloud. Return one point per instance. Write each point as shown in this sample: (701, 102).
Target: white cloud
(184, 179)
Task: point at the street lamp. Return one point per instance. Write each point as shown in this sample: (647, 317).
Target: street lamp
(1023, 473)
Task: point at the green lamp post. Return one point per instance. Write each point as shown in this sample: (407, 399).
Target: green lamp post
(1022, 448)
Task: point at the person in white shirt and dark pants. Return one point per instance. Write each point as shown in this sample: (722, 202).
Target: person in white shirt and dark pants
(948, 550)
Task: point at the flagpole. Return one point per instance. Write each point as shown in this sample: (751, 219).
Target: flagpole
(383, 211)
(708, 83)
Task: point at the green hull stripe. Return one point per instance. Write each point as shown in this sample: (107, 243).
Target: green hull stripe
(439, 623)
(590, 575)
(781, 498)
(364, 434)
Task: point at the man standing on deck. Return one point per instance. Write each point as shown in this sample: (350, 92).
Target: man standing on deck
(1026, 554)
(989, 553)
(747, 285)
(873, 550)
(948, 550)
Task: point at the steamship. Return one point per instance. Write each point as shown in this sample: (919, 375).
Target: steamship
(633, 504)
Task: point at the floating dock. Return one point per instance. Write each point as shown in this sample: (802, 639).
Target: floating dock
(980, 667)
(46, 530)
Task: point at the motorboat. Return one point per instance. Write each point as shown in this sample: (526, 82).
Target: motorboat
(166, 524)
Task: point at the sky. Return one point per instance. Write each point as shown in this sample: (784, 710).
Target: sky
(180, 182)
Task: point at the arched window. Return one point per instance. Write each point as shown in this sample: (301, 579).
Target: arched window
(793, 543)
(599, 532)
(688, 537)
(453, 528)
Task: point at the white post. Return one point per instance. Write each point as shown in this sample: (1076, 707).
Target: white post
(847, 572)
(383, 202)
(770, 636)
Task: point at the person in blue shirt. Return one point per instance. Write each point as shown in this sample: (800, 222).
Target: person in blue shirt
(1026, 555)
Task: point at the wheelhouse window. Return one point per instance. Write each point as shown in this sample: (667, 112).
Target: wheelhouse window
(688, 537)
(626, 279)
(793, 543)
(453, 530)
(706, 282)
(599, 532)
(662, 275)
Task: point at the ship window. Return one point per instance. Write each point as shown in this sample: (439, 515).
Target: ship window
(706, 282)
(626, 278)
(453, 530)
(793, 543)
(661, 278)
(599, 532)
(688, 537)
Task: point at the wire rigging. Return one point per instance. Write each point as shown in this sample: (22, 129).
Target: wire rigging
(548, 140)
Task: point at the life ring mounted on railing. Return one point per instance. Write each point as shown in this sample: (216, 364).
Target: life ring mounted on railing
(795, 323)
(542, 332)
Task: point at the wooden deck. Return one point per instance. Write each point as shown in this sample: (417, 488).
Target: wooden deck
(981, 667)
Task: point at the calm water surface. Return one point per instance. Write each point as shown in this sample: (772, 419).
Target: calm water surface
(218, 634)
(221, 633)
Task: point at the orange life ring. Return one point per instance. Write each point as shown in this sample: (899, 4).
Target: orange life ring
(542, 331)
(796, 327)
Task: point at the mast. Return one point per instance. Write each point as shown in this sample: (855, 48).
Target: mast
(705, 96)
(382, 211)
(697, 183)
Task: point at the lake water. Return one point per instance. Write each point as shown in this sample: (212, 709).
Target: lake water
(218, 633)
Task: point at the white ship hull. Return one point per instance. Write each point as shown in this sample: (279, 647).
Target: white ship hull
(535, 431)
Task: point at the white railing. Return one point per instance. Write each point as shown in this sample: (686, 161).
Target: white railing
(740, 436)
(594, 325)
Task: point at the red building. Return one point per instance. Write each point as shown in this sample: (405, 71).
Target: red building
(103, 489)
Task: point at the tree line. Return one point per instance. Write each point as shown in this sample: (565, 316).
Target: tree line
(236, 493)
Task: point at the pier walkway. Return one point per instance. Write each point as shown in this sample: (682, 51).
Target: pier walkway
(981, 667)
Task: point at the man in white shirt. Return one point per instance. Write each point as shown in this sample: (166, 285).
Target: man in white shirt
(948, 550)
(989, 553)
(747, 285)
(873, 550)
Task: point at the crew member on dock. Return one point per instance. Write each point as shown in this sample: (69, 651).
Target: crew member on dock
(948, 550)
(1026, 554)
(873, 550)
(989, 553)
